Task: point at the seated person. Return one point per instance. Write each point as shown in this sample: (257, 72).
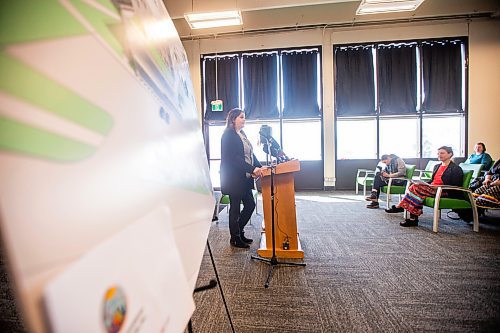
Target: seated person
(446, 173)
(480, 156)
(488, 195)
(394, 167)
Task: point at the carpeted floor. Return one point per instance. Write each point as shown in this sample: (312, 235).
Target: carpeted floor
(364, 273)
(10, 321)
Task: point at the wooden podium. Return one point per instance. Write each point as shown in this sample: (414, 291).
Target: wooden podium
(285, 220)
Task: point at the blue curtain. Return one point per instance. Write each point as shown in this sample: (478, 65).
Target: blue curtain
(227, 84)
(260, 86)
(397, 79)
(300, 85)
(354, 86)
(442, 77)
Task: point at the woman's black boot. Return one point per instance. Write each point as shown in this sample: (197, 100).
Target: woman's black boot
(411, 222)
(238, 242)
(246, 240)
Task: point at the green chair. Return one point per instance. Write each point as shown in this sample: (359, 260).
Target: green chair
(398, 189)
(425, 174)
(476, 169)
(439, 203)
(365, 178)
(224, 200)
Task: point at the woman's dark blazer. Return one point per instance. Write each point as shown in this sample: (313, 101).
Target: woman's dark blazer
(453, 175)
(233, 167)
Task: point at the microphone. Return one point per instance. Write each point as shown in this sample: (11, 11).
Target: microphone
(271, 146)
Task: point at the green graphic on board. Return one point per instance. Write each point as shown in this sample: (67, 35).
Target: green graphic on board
(24, 21)
(108, 4)
(22, 138)
(28, 85)
(101, 22)
(32, 21)
(21, 22)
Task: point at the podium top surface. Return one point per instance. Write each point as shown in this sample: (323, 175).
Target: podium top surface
(286, 167)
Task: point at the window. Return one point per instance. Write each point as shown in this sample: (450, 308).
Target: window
(443, 131)
(215, 134)
(399, 136)
(356, 139)
(302, 140)
(419, 96)
(260, 85)
(396, 78)
(215, 172)
(222, 83)
(354, 84)
(279, 88)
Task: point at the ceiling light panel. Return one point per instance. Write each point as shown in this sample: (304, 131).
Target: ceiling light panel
(387, 6)
(214, 19)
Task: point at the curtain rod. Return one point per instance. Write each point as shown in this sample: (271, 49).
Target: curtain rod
(467, 17)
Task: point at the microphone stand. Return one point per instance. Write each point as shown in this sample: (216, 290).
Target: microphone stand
(268, 151)
(273, 261)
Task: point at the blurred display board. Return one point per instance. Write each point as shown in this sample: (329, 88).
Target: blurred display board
(98, 132)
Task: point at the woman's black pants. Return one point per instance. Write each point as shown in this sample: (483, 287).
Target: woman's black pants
(238, 220)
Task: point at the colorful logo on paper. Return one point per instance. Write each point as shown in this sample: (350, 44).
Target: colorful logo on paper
(114, 309)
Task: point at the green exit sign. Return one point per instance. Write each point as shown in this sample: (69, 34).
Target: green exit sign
(216, 105)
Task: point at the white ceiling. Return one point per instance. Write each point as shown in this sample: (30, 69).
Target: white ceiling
(259, 15)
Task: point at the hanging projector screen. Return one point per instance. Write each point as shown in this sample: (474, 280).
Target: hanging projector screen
(104, 182)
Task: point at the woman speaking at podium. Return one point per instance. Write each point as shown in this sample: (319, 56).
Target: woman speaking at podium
(237, 169)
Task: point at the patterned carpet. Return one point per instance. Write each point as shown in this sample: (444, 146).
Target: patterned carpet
(10, 321)
(364, 273)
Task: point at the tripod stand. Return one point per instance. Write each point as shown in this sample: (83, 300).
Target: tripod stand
(213, 284)
(273, 261)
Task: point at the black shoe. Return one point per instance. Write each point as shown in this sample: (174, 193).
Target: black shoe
(372, 197)
(395, 209)
(237, 242)
(372, 205)
(246, 240)
(409, 223)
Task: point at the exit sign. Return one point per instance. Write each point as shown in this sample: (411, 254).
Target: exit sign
(216, 105)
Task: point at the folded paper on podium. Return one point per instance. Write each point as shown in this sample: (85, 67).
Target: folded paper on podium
(285, 220)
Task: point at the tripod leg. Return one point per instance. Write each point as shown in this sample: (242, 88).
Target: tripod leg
(261, 259)
(291, 264)
(271, 268)
(220, 287)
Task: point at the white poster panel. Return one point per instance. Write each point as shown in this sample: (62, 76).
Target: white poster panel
(98, 128)
(124, 284)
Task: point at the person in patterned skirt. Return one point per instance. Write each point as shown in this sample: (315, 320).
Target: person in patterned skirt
(446, 173)
(488, 195)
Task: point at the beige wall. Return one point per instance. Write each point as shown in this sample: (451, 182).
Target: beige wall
(484, 68)
(484, 86)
